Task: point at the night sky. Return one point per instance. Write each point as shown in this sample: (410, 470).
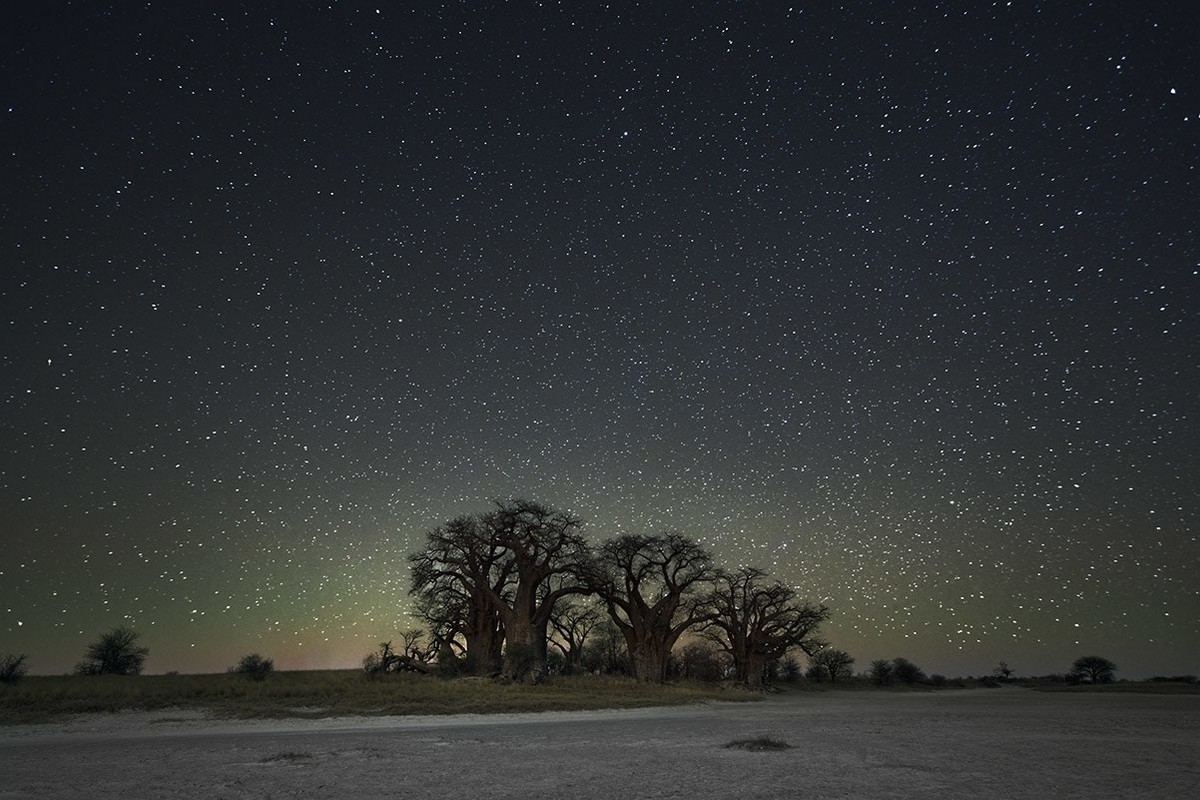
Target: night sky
(898, 302)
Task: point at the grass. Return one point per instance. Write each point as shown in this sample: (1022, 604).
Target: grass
(331, 693)
(1151, 687)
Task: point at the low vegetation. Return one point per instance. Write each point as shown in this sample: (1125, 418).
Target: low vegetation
(254, 667)
(331, 693)
(12, 668)
(1048, 684)
(759, 744)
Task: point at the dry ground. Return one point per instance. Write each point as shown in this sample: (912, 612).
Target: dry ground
(998, 743)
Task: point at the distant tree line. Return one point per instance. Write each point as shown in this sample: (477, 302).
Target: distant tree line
(497, 588)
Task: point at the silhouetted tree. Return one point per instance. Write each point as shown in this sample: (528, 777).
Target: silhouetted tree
(833, 663)
(456, 579)
(254, 667)
(415, 657)
(1094, 668)
(790, 669)
(650, 585)
(114, 653)
(376, 663)
(906, 671)
(415, 645)
(543, 544)
(756, 621)
(12, 669)
(572, 621)
(881, 671)
(1003, 672)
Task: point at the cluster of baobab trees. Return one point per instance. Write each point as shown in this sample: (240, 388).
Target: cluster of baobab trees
(491, 585)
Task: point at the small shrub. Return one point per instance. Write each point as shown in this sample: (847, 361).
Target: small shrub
(556, 664)
(937, 680)
(521, 659)
(12, 669)
(451, 665)
(254, 667)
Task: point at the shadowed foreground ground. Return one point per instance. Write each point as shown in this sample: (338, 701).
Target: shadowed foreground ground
(1008, 742)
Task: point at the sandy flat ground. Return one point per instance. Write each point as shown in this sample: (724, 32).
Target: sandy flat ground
(999, 743)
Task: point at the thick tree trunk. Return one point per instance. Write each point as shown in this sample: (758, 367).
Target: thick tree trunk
(751, 669)
(484, 636)
(483, 648)
(649, 658)
(524, 659)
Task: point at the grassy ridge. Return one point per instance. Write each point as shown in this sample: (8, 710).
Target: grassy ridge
(332, 693)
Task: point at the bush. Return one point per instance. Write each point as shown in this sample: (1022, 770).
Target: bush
(700, 661)
(254, 667)
(906, 671)
(556, 663)
(524, 661)
(114, 653)
(12, 669)
(937, 680)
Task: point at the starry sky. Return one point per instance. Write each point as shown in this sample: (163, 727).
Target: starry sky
(895, 300)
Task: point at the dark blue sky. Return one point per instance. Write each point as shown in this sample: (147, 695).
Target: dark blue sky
(898, 302)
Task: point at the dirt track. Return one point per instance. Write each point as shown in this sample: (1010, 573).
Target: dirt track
(1003, 743)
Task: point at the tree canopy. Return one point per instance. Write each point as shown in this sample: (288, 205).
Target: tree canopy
(650, 585)
(757, 620)
(1094, 668)
(490, 585)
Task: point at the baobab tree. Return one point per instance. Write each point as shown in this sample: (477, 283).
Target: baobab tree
(543, 545)
(757, 620)
(650, 585)
(457, 579)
